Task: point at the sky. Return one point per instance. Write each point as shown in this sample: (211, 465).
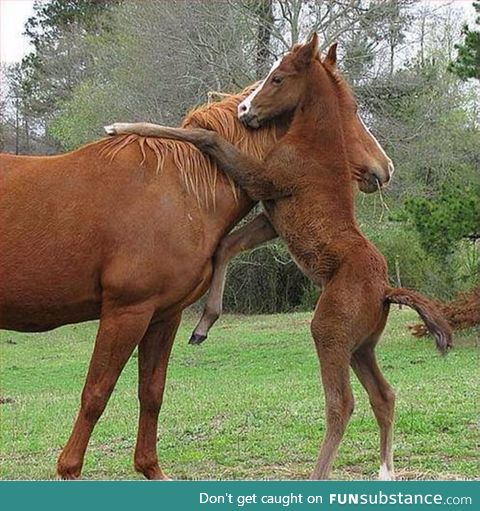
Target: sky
(14, 14)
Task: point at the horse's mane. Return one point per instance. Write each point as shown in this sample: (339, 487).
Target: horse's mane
(199, 173)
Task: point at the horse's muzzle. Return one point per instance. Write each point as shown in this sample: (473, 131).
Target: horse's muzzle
(250, 120)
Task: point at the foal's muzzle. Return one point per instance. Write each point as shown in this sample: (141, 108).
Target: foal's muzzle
(250, 120)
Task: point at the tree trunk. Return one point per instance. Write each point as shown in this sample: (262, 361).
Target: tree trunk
(264, 32)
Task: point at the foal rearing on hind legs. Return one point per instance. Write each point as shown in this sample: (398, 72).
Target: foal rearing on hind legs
(306, 190)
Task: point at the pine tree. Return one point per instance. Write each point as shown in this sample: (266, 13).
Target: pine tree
(467, 64)
(57, 64)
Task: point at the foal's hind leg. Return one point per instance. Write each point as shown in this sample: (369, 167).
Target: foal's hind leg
(153, 356)
(119, 332)
(258, 231)
(382, 400)
(333, 348)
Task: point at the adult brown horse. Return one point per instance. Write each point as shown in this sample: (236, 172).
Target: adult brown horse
(124, 230)
(304, 186)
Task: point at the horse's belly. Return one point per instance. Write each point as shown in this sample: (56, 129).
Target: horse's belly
(47, 281)
(23, 318)
(35, 297)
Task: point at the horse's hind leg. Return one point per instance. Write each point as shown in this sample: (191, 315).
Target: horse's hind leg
(119, 332)
(153, 356)
(382, 401)
(258, 231)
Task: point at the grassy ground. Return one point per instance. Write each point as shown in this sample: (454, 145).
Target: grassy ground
(246, 404)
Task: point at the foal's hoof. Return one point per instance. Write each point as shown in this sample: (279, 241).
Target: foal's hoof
(110, 130)
(67, 477)
(197, 338)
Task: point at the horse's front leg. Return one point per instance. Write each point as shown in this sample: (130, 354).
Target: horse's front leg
(332, 335)
(255, 233)
(259, 180)
(153, 356)
(120, 330)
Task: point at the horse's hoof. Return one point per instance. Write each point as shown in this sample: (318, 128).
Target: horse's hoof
(67, 476)
(197, 338)
(110, 130)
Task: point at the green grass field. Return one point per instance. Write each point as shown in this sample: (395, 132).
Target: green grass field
(245, 405)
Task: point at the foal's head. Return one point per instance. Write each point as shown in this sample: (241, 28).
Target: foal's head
(283, 90)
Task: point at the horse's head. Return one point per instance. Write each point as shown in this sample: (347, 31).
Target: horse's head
(282, 91)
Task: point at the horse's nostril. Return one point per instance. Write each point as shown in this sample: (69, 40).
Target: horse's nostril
(243, 108)
(391, 168)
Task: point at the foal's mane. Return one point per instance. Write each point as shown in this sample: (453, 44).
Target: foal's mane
(200, 174)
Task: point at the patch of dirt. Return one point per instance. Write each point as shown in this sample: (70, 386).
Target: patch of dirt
(6, 400)
(428, 475)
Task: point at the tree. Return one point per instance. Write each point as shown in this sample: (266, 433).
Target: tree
(467, 64)
(453, 215)
(59, 61)
(99, 62)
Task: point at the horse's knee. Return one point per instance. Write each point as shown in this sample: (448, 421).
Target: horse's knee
(225, 250)
(150, 397)
(389, 396)
(341, 405)
(384, 403)
(94, 401)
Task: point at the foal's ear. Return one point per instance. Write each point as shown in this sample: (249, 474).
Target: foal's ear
(306, 53)
(331, 58)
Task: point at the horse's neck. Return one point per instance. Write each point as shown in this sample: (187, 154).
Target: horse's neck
(231, 208)
(222, 118)
(231, 202)
(317, 125)
(317, 120)
(317, 128)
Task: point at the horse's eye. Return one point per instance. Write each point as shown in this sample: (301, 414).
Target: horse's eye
(277, 80)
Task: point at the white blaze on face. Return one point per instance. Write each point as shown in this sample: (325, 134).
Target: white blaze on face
(391, 168)
(245, 105)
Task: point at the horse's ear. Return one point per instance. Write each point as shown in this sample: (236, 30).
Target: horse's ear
(331, 58)
(306, 53)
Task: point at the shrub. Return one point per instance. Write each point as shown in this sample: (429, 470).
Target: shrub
(408, 260)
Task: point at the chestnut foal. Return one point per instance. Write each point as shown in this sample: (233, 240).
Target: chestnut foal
(305, 187)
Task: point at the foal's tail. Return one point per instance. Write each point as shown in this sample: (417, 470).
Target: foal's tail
(436, 324)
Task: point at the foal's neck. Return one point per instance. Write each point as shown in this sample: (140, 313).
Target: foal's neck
(317, 127)
(318, 119)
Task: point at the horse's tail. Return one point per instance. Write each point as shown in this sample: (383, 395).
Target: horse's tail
(434, 320)
(462, 312)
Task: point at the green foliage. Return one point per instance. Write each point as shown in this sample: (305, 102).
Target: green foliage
(54, 16)
(467, 64)
(266, 280)
(409, 265)
(58, 63)
(78, 121)
(442, 221)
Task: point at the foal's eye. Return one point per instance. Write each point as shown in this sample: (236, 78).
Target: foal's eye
(277, 80)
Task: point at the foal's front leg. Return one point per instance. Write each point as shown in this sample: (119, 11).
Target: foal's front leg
(333, 344)
(261, 181)
(255, 233)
